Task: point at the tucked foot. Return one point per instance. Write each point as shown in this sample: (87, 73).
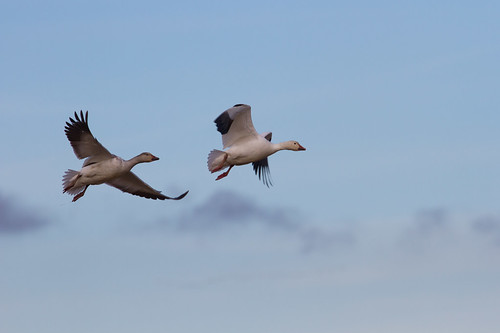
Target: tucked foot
(71, 182)
(221, 166)
(69, 186)
(79, 195)
(224, 174)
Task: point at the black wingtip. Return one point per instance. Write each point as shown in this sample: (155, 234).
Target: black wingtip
(180, 196)
(75, 127)
(261, 169)
(223, 122)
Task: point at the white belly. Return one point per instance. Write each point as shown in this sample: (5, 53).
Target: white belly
(101, 172)
(248, 151)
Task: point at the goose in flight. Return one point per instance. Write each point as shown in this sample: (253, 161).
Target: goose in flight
(102, 167)
(245, 144)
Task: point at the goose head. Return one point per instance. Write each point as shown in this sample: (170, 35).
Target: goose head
(147, 157)
(293, 145)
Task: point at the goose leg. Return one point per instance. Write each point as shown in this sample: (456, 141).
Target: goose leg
(221, 165)
(72, 183)
(79, 195)
(224, 174)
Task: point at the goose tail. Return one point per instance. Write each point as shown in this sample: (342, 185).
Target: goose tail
(216, 160)
(69, 180)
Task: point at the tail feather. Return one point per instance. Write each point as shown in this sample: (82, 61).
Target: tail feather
(69, 180)
(215, 159)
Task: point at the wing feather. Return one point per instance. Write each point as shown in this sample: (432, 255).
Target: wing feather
(132, 184)
(261, 168)
(84, 144)
(235, 123)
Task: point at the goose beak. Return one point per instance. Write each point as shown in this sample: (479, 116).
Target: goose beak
(301, 148)
(155, 158)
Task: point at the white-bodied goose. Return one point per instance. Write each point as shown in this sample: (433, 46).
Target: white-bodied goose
(102, 167)
(245, 144)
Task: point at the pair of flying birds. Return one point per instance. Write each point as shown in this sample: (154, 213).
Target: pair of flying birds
(244, 145)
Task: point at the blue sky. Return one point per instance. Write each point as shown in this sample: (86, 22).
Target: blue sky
(388, 222)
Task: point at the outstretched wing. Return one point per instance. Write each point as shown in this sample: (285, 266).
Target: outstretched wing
(261, 168)
(235, 123)
(83, 142)
(132, 184)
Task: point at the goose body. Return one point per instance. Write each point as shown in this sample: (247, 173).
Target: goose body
(244, 145)
(102, 167)
(100, 172)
